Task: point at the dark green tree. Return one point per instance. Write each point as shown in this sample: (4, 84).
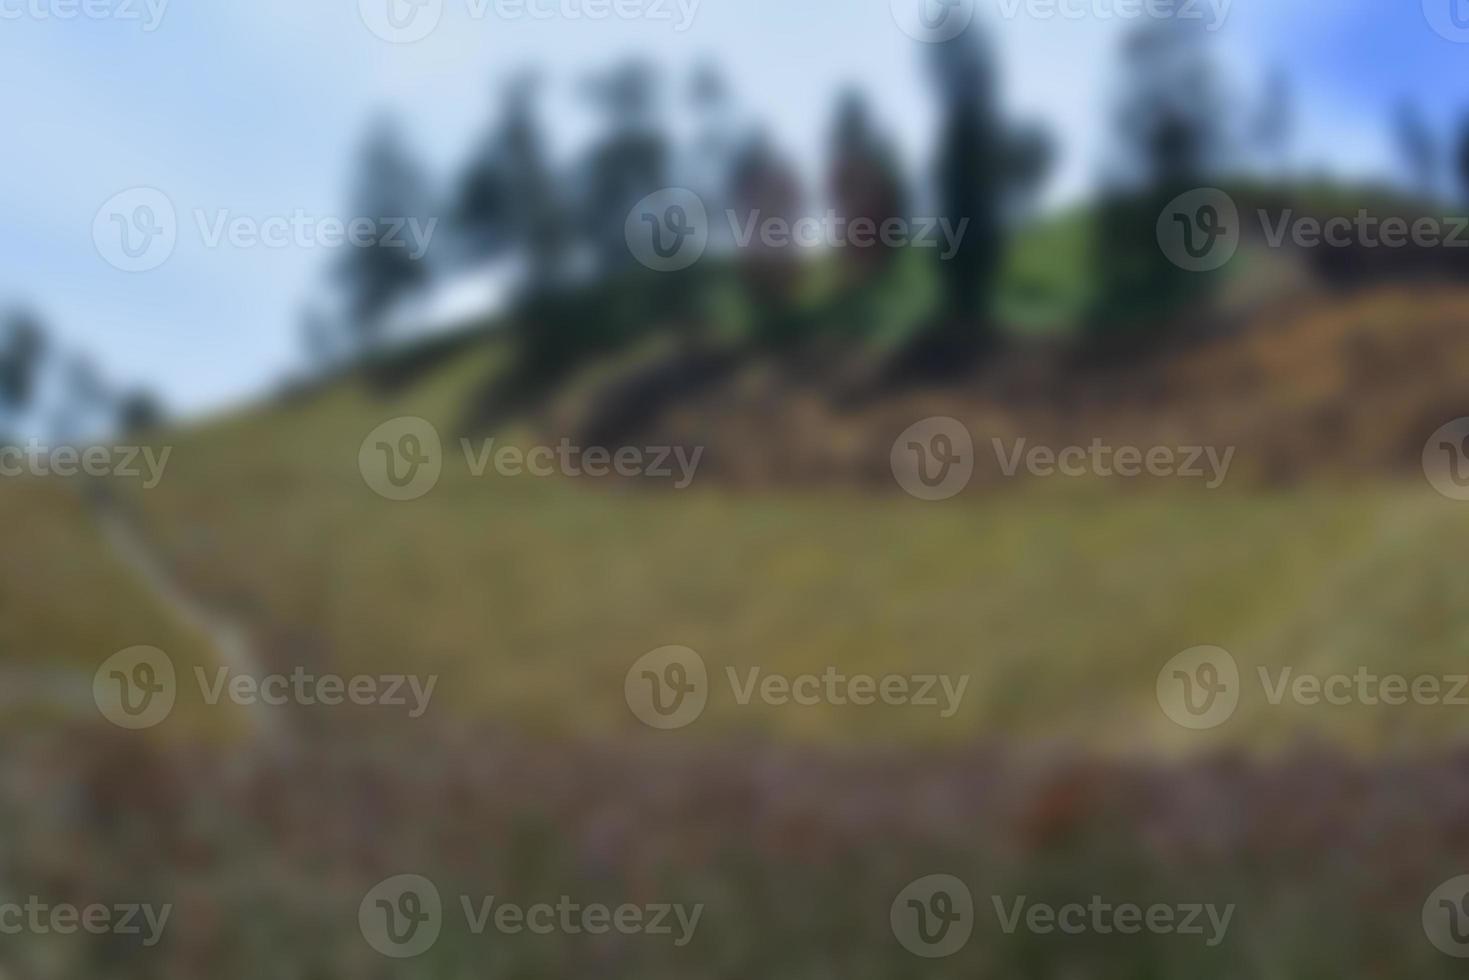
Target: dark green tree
(864, 183)
(1417, 146)
(1170, 139)
(627, 163)
(506, 202)
(984, 171)
(22, 350)
(389, 190)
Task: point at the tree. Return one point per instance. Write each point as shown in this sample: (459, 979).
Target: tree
(1274, 124)
(864, 183)
(1170, 138)
(970, 174)
(87, 407)
(506, 202)
(628, 163)
(1418, 147)
(22, 350)
(766, 189)
(139, 411)
(323, 337)
(484, 202)
(1462, 158)
(983, 172)
(389, 192)
(709, 166)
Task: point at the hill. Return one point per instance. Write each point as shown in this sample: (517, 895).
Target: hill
(1060, 600)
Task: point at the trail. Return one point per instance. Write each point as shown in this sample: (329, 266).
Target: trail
(229, 641)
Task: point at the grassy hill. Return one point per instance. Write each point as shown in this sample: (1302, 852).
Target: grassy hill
(531, 598)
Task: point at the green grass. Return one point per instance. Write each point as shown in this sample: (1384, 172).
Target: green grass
(67, 603)
(531, 598)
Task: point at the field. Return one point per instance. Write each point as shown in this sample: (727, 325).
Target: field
(1058, 776)
(531, 597)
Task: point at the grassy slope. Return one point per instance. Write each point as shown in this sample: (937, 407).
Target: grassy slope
(532, 597)
(67, 604)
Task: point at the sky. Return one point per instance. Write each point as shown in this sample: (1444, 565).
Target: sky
(254, 109)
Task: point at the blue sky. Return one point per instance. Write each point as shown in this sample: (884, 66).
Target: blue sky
(256, 106)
